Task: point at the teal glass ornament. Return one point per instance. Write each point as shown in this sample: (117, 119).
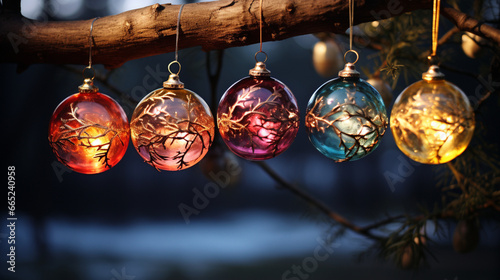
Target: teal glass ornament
(346, 117)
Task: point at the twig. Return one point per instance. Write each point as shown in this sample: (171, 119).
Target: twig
(445, 214)
(472, 75)
(214, 78)
(441, 41)
(377, 73)
(482, 99)
(316, 203)
(383, 222)
(459, 71)
(447, 35)
(458, 176)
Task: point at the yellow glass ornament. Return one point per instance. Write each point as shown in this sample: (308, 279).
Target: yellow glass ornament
(432, 120)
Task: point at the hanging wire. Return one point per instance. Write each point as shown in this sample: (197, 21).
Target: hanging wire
(90, 51)
(435, 25)
(177, 33)
(90, 42)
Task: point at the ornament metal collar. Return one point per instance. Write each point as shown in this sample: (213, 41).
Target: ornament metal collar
(88, 86)
(433, 74)
(173, 82)
(349, 71)
(259, 70)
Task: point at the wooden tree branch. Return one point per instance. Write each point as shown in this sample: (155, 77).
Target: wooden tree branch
(212, 25)
(151, 30)
(466, 23)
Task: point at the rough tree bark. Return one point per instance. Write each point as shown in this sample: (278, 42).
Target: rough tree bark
(212, 25)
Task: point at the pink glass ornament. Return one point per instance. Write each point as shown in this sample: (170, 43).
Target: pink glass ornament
(258, 116)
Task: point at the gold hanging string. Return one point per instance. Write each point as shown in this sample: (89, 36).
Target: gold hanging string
(177, 31)
(351, 22)
(351, 33)
(435, 25)
(261, 15)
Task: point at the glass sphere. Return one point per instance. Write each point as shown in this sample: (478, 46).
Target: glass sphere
(258, 118)
(346, 118)
(432, 121)
(89, 132)
(172, 129)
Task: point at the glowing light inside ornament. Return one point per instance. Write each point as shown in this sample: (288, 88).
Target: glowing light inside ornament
(432, 121)
(346, 119)
(258, 118)
(89, 132)
(172, 129)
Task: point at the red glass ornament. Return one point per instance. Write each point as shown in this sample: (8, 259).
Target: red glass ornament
(89, 131)
(258, 116)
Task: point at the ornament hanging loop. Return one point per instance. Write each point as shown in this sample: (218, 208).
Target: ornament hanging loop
(349, 70)
(173, 81)
(257, 53)
(88, 81)
(170, 67)
(88, 70)
(354, 52)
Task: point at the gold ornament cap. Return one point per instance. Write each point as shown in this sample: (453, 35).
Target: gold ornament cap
(88, 86)
(173, 82)
(349, 71)
(260, 70)
(433, 74)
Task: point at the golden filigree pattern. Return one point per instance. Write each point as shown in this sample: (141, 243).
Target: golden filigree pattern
(258, 121)
(172, 129)
(344, 122)
(89, 133)
(432, 122)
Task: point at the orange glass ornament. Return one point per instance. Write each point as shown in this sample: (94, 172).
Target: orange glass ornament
(89, 131)
(172, 127)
